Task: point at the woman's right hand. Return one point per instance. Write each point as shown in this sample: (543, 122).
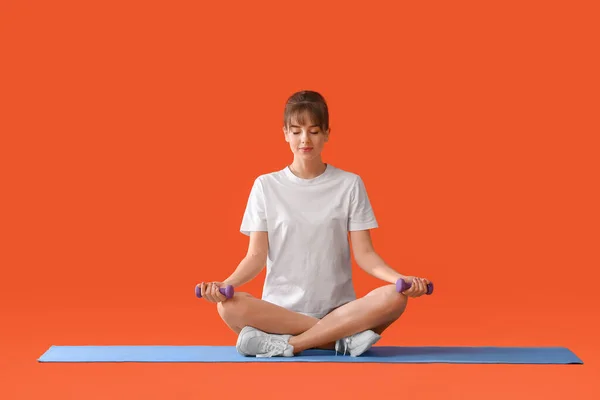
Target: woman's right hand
(210, 292)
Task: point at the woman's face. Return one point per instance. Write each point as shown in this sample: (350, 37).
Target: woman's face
(306, 141)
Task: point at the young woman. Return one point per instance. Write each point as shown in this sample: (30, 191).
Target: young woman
(298, 220)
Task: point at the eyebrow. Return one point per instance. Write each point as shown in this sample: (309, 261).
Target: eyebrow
(312, 126)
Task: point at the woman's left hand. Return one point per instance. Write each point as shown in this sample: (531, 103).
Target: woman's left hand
(418, 287)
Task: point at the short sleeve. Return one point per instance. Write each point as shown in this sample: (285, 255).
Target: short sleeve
(361, 216)
(254, 218)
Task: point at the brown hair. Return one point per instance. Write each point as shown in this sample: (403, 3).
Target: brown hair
(306, 103)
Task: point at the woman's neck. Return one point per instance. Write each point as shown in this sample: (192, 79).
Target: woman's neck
(308, 169)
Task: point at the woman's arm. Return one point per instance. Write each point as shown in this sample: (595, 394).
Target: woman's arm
(367, 258)
(253, 262)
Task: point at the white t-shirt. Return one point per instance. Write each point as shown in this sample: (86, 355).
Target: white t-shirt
(309, 267)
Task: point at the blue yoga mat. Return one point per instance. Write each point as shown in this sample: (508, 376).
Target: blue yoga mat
(377, 354)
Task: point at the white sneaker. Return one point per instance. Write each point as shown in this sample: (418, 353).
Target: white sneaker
(358, 343)
(254, 342)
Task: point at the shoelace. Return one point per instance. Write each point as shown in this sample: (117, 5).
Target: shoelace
(345, 343)
(272, 346)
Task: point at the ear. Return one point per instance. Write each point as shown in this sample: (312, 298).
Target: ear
(285, 136)
(327, 132)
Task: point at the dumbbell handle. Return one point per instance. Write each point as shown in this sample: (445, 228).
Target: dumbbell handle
(402, 285)
(226, 291)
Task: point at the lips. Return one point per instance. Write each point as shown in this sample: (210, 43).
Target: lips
(306, 148)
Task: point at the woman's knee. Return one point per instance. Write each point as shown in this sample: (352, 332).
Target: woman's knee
(233, 307)
(392, 302)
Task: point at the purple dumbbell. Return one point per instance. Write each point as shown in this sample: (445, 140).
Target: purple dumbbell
(227, 291)
(402, 285)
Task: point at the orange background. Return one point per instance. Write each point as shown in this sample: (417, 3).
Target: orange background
(132, 133)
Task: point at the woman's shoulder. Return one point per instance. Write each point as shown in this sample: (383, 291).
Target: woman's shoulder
(263, 177)
(345, 174)
(343, 171)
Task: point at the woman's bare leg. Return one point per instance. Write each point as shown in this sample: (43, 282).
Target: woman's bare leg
(243, 309)
(376, 311)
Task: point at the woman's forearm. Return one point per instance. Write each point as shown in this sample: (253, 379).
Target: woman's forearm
(373, 264)
(247, 269)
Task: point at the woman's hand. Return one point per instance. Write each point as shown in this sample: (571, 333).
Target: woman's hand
(210, 292)
(418, 288)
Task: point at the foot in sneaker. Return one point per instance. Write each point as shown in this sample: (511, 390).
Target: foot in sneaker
(254, 342)
(357, 344)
